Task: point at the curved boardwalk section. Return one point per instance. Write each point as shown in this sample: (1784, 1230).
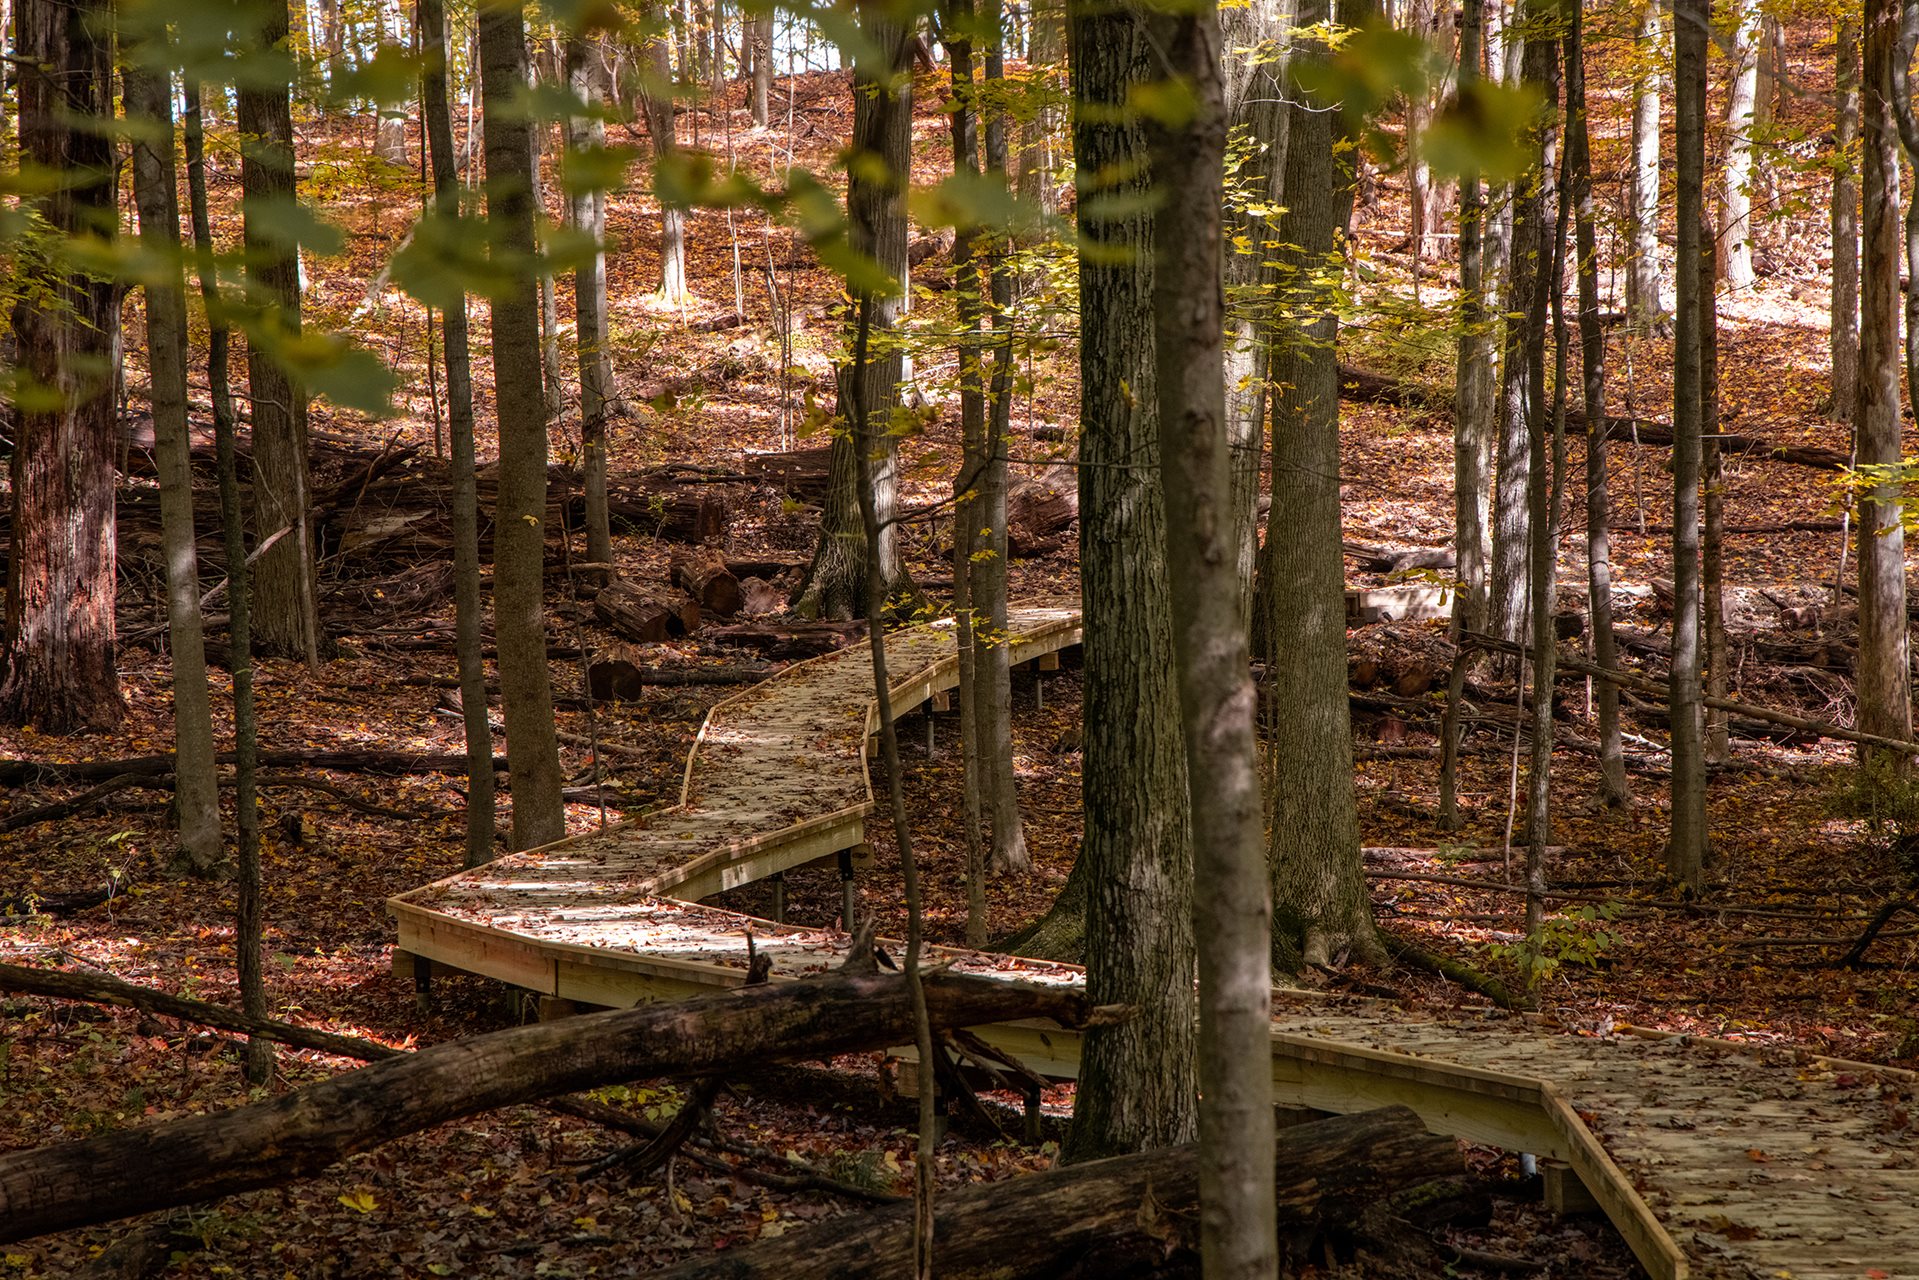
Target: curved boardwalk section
(1712, 1159)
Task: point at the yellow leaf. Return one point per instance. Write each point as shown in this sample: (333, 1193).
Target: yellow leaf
(360, 1201)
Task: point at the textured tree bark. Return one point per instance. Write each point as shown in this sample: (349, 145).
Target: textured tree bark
(1232, 917)
(589, 305)
(1321, 908)
(57, 668)
(656, 102)
(469, 610)
(1473, 372)
(760, 37)
(519, 539)
(1645, 293)
(196, 794)
(835, 585)
(1845, 226)
(1038, 165)
(1613, 787)
(1255, 37)
(1686, 848)
(1735, 200)
(389, 133)
(1884, 685)
(1712, 502)
(1136, 1087)
(285, 607)
(1328, 1171)
(300, 1133)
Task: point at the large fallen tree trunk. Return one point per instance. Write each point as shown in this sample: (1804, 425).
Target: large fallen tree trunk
(77, 1184)
(1040, 1225)
(1371, 388)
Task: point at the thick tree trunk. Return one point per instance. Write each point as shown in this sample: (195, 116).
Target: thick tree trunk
(1329, 1171)
(300, 1133)
(835, 585)
(1473, 431)
(590, 310)
(1686, 849)
(57, 669)
(1137, 1084)
(196, 792)
(464, 507)
(286, 611)
(1735, 201)
(1645, 293)
(519, 539)
(1321, 908)
(1232, 918)
(1592, 364)
(1845, 227)
(1884, 684)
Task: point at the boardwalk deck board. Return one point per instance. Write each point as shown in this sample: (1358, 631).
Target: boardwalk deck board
(1662, 1129)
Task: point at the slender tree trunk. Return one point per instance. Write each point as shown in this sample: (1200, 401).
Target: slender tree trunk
(246, 867)
(1422, 19)
(1645, 291)
(57, 667)
(469, 609)
(1712, 501)
(539, 815)
(760, 30)
(1845, 227)
(286, 612)
(1321, 909)
(589, 305)
(1521, 411)
(1592, 363)
(1473, 431)
(1137, 1084)
(1038, 163)
(389, 136)
(196, 787)
(1883, 680)
(1735, 207)
(1686, 850)
(835, 585)
(656, 101)
(552, 374)
(1232, 919)
(1255, 39)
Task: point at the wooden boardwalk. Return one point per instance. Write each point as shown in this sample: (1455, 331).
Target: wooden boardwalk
(1714, 1160)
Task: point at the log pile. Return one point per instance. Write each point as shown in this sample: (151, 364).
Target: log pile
(646, 615)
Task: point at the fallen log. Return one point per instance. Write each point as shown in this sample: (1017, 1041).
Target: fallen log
(1040, 508)
(707, 579)
(1365, 387)
(1329, 1172)
(389, 763)
(800, 472)
(77, 1184)
(644, 615)
(619, 673)
(794, 639)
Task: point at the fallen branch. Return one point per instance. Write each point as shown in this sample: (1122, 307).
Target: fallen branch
(1857, 954)
(1411, 953)
(300, 1133)
(392, 763)
(76, 804)
(1329, 1172)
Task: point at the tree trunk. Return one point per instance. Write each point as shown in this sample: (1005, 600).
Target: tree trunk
(1232, 918)
(835, 585)
(187, 1161)
(519, 539)
(389, 134)
(1038, 165)
(1712, 501)
(1321, 908)
(1473, 430)
(1645, 293)
(1613, 787)
(1137, 1084)
(469, 609)
(589, 305)
(285, 607)
(196, 787)
(760, 37)
(1255, 37)
(656, 103)
(1735, 207)
(552, 375)
(57, 669)
(1422, 20)
(1884, 684)
(1329, 1171)
(1686, 849)
(1845, 227)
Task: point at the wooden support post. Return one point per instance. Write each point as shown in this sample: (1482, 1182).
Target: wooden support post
(1049, 661)
(1033, 1115)
(423, 984)
(1039, 693)
(849, 894)
(942, 700)
(929, 731)
(779, 897)
(553, 1008)
(1562, 1190)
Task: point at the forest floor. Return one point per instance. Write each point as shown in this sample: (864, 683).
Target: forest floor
(1792, 881)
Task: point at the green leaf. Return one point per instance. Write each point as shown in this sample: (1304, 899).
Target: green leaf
(391, 78)
(446, 257)
(287, 223)
(1487, 127)
(595, 167)
(1171, 103)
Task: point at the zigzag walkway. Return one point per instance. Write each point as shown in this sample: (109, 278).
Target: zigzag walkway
(1712, 1159)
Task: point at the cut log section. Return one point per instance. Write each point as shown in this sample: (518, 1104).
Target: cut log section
(1044, 1224)
(619, 673)
(1040, 509)
(789, 639)
(799, 472)
(707, 579)
(1398, 604)
(645, 615)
